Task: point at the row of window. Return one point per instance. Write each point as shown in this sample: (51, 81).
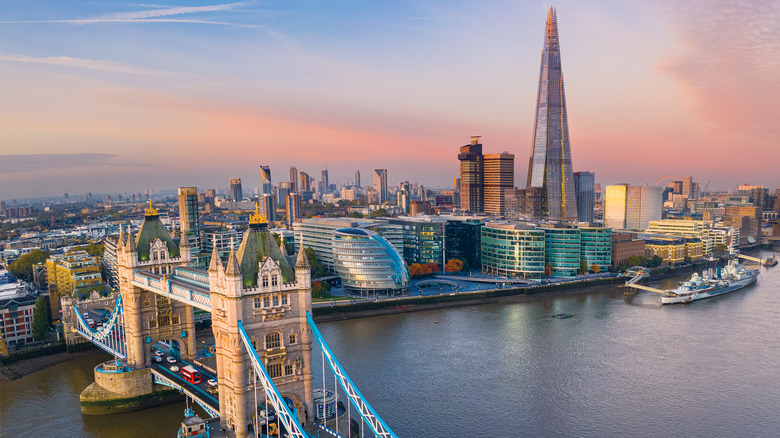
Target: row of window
(275, 300)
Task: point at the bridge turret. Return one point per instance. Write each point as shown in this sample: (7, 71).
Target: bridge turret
(302, 270)
(233, 281)
(185, 251)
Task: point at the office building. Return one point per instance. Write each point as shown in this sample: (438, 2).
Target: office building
(746, 218)
(423, 238)
(318, 233)
(236, 194)
(380, 184)
(16, 315)
(562, 249)
(367, 263)
(404, 196)
(267, 207)
(498, 181)
(324, 179)
(596, 247)
(462, 241)
(420, 207)
(189, 219)
(305, 185)
(293, 208)
(624, 246)
(632, 207)
(69, 274)
(512, 250)
(266, 186)
(293, 180)
(584, 186)
(471, 176)
(222, 239)
(550, 168)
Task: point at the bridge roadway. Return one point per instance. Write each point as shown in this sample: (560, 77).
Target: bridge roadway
(197, 391)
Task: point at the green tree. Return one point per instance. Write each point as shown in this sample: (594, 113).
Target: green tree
(583, 266)
(40, 321)
(320, 289)
(379, 213)
(22, 267)
(355, 214)
(318, 270)
(93, 249)
(655, 261)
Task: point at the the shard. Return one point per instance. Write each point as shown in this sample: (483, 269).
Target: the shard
(550, 171)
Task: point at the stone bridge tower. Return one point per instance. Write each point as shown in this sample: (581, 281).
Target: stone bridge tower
(259, 288)
(150, 317)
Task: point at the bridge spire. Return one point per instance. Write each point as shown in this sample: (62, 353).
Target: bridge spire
(232, 266)
(130, 241)
(216, 263)
(120, 243)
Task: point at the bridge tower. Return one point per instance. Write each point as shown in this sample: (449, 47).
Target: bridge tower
(258, 287)
(150, 317)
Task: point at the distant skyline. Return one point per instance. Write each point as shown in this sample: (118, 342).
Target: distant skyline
(120, 96)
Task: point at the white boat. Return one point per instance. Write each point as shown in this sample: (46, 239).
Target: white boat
(711, 283)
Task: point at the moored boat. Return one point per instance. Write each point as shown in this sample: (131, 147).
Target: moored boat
(711, 283)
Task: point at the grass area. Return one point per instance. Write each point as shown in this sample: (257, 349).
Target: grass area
(330, 298)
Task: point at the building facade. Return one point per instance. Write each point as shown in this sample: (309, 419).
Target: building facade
(550, 168)
(498, 182)
(471, 176)
(596, 247)
(584, 186)
(562, 248)
(189, 219)
(236, 192)
(366, 262)
(380, 184)
(629, 207)
(512, 250)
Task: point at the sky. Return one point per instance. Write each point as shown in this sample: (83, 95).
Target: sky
(102, 96)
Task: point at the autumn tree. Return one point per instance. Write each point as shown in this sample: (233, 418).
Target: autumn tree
(596, 269)
(454, 265)
(548, 270)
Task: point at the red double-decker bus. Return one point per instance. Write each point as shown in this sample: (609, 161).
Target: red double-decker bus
(190, 374)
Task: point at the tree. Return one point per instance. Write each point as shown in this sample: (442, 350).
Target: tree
(548, 270)
(22, 267)
(596, 269)
(378, 213)
(719, 250)
(320, 289)
(317, 269)
(93, 249)
(40, 321)
(656, 261)
(355, 214)
(583, 266)
(454, 265)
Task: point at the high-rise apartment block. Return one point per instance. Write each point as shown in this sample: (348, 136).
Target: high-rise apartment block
(294, 179)
(629, 207)
(236, 194)
(293, 208)
(267, 205)
(498, 181)
(189, 219)
(550, 168)
(266, 186)
(471, 176)
(380, 184)
(584, 186)
(357, 178)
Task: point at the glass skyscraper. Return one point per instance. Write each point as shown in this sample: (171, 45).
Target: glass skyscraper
(550, 168)
(584, 185)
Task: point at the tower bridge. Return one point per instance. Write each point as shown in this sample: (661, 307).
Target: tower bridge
(260, 308)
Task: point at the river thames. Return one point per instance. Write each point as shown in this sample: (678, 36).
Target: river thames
(622, 366)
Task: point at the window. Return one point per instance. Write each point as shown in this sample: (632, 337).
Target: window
(164, 320)
(293, 338)
(265, 281)
(274, 280)
(258, 302)
(284, 299)
(175, 319)
(274, 370)
(276, 300)
(266, 301)
(288, 370)
(273, 340)
(152, 323)
(147, 301)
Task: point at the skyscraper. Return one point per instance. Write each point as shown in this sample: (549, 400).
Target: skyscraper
(380, 184)
(550, 168)
(584, 185)
(293, 208)
(236, 194)
(189, 220)
(266, 187)
(267, 205)
(471, 176)
(357, 178)
(305, 182)
(325, 178)
(498, 181)
(294, 179)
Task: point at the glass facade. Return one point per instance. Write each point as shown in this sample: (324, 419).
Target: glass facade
(584, 185)
(550, 167)
(562, 251)
(463, 241)
(367, 262)
(513, 250)
(596, 247)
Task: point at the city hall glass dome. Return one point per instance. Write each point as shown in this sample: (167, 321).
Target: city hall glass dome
(366, 261)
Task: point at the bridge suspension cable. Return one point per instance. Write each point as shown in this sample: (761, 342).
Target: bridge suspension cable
(282, 410)
(366, 411)
(110, 337)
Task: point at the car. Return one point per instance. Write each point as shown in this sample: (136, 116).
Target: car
(85, 315)
(212, 390)
(158, 353)
(174, 368)
(212, 382)
(157, 359)
(171, 359)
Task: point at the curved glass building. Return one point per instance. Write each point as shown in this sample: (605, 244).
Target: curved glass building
(367, 262)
